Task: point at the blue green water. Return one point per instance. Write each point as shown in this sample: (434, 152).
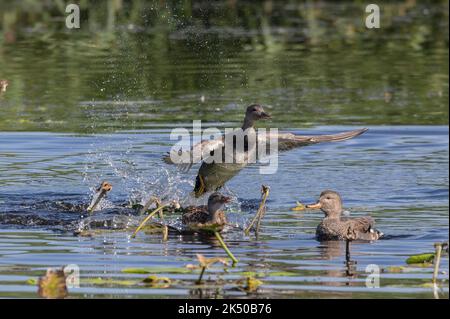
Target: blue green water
(99, 104)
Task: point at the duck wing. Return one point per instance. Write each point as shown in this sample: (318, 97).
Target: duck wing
(362, 228)
(288, 141)
(184, 159)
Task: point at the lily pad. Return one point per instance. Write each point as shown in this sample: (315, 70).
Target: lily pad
(209, 228)
(282, 274)
(32, 281)
(157, 282)
(420, 259)
(299, 207)
(109, 282)
(156, 270)
(394, 269)
(249, 284)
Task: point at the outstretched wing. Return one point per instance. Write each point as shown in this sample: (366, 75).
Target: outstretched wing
(197, 153)
(288, 141)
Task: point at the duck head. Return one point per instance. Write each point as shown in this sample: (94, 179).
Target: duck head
(254, 113)
(329, 202)
(216, 202)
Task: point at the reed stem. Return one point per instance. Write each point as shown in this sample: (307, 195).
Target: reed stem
(199, 280)
(437, 261)
(224, 246)
(260, 213)
(146, 219)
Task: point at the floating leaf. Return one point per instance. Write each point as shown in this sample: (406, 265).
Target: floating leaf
(32, 281)
(428, 285)
(282, 274)
(157, 282)
(109, 282)
(420, 259)
(299, 207)
(394, 269)
(207, 227)
(249, 284)
(155, 270)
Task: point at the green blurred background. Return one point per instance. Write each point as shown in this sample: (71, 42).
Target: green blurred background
(142, 64)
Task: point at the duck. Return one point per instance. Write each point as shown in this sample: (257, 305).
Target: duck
(211, 214)
(212, 175)
(335, 227)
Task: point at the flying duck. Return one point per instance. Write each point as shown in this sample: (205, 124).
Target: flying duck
(213, 174)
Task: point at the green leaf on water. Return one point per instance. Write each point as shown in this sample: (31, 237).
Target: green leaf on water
(208, 228)
(394, 269)
(428, 285)
(282, 274)
(109, 282)
(157, 282)
(420, 259)
(249, 284)
(156, 270)
(32, 281)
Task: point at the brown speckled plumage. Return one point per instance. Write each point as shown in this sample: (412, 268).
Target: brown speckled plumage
(210, 214)
(200, 214)
(335, 227)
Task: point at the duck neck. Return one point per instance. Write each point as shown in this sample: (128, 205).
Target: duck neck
(248, 123)
(334, 214)
(214, 215)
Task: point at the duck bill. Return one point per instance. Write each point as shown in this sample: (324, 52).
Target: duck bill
(265, 116)
(317, 205)
(226, 199)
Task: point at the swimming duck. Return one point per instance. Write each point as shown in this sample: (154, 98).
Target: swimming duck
(212, 175)
(211, 214)
(335, 227)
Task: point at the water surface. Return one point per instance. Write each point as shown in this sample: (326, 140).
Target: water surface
(99, 103)
(399, 175)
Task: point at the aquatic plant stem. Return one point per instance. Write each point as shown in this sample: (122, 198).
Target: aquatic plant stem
(224, 246)
(437, 261)
(146, 219)
(165, 232)
(260, 213)
(199, 280)
(150, 201)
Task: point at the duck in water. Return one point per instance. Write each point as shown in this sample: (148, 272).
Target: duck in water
(335, 227)
(215, 172)
(208, 215)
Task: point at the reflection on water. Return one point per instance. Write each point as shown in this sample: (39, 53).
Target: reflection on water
(170, 62)
(399, 175)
